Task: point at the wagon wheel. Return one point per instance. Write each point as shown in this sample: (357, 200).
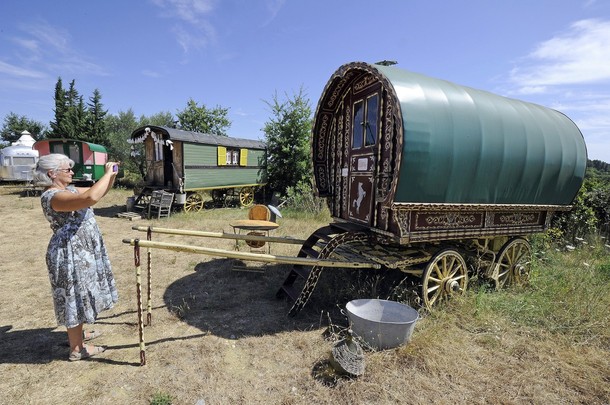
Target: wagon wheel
(194, 202)
(246, 196)
(445, 275)
(513, 265)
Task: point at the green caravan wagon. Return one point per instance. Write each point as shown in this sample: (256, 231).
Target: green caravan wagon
(421, 174)
(189, 163)
(89, 158)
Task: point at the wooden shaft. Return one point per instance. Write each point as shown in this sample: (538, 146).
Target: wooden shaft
(256, 257)
(149, 281)
(139, 298)
(222, 235)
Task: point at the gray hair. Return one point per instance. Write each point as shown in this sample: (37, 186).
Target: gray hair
(48, 163)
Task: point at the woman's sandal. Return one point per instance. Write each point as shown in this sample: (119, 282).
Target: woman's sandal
(86, 352)
(92, 334)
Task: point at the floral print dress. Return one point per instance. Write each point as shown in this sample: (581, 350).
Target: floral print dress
(79, 269)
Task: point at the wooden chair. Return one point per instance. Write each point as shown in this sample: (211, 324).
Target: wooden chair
(258, 223)
(160, 203)
(259, 212)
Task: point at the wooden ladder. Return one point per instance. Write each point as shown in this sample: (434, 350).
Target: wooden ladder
(319, 245)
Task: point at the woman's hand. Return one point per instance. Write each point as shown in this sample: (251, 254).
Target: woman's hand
(109, 168)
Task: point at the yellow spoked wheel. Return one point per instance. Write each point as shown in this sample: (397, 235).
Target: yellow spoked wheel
(194, 202)
(445, 275)
(246, 196)
(514, 263)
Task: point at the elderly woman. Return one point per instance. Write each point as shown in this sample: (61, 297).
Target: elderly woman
(79, 269)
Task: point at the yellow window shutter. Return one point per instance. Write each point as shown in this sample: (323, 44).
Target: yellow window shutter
(222, 156)
(243, 157)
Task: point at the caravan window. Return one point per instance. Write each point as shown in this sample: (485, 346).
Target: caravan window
(364, 123)
(232, 157)
(24, 160)
(74, 153)
(358, 124)
(370, 127)
(158, 150)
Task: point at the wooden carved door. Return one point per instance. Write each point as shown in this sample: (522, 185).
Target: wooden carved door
(362, 147)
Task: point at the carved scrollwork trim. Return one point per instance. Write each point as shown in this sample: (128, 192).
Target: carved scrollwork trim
(478, 207)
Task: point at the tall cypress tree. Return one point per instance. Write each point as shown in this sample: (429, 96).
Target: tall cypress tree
(70, 114)
(96, 126)
(60, 110)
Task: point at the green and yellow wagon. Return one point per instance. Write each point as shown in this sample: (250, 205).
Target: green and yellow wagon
(190, 164)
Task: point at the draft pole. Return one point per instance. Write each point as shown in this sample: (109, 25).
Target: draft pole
(149, 266)
(136, 256)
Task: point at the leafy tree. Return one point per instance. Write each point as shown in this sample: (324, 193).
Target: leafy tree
(599, 201)
(96, 127)
(581, 221)
(118, 128)
(15, 124)
(599, 165)
(161, 119)
(202, 119)
(288, 135)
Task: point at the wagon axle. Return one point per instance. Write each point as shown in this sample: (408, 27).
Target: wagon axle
(452, 286)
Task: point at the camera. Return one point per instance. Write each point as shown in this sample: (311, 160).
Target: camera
(115, 168)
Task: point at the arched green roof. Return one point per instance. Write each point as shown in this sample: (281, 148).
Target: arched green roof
(462, 145)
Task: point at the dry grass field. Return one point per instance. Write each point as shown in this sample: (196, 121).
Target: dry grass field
(220, 336)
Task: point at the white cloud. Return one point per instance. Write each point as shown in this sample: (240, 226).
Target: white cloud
(41, 47)
(581, 55)
(197, 32)
(189, 39)
(571, 73)
(186, 10)
(52, 38)
(533, 90)
(151, 73)
(274, 7)
(20, 72)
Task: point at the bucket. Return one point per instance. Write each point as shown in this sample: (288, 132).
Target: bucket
(381, 324)
(180, 198)
(130, 203)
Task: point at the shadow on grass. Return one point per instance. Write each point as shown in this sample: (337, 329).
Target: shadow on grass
(45, 345)
(109, 212)
(232, 304)
(215, 298)
(31, 346)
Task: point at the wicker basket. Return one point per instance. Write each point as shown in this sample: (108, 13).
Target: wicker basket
(347, 357)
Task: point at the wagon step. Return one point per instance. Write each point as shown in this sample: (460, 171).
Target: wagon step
(300, 273)
(325, 242)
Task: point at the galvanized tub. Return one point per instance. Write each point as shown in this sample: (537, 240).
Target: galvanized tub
(381, 324)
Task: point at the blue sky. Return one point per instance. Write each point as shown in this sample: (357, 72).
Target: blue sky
(153, 55)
